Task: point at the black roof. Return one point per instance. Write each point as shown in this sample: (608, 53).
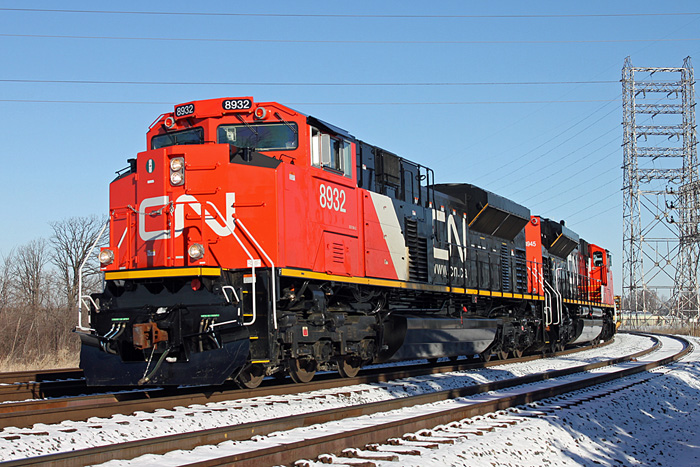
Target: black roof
(488, 212)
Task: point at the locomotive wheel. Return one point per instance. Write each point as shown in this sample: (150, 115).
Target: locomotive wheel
(349, 367)
(517, 353)
(250, 377)
(502, 354)
(302, 370)
(485, 356)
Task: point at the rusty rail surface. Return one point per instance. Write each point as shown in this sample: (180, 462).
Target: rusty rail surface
(292, 451)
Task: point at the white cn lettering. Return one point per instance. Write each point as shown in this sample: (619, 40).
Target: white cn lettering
(453, 235)
(213, 217)
(149, 235)
(439, 253)
(216, 221)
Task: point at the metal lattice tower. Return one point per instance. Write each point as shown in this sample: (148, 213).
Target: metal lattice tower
(661, 207)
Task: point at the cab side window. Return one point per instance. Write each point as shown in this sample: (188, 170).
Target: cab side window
(330, 153)
(598, 259)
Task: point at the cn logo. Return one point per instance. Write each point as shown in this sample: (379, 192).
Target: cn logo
(213, 215)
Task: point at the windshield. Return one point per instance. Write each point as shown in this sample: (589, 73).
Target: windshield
(262, 137)
(191, 136)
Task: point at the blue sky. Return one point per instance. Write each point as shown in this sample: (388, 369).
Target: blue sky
(442, 83)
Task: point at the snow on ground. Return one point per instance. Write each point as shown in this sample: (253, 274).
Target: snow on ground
(20, 443)
(654, 423)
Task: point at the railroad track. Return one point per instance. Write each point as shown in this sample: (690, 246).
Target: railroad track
(412, 446)
(486, 416)
(47, 384)
(42, 389)
(20, 385)
(84, 405)
(287, 452)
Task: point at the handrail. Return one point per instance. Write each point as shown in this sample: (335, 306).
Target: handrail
(233, 290)
(80, 282)
(547, 298)
(251, 263)
(558, 302)
(272, 266)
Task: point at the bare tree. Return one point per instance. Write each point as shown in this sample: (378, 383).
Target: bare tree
(647, 300)
(31, 285)
(71, 240)
(5, 283)
(36, 296)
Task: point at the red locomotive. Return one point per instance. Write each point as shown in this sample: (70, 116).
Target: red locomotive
(250, 239)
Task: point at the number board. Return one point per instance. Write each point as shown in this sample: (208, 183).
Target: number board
(229, 105)
(184, 110)
(332, 198)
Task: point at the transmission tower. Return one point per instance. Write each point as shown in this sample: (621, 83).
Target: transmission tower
(661, 191)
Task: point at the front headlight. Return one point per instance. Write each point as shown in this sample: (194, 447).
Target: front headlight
(176, 178)
(176, 164)
(177, 171)
(196, 251)
(106, 257)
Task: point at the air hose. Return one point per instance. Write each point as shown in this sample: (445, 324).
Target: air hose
(148, 377)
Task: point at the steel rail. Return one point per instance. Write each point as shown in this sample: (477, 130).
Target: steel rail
(40, 375)
(29, 412)
(286, 453)
(290, 452)
(42, 390)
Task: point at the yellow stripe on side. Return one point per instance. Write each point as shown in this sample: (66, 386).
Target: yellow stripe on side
(584, 302)
(361, 280)
(287, 272)
(169, 272)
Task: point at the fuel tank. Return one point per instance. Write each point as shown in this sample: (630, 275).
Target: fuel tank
(408, 337)
(587, 330)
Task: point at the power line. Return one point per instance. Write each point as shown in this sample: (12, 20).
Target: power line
(595, 190)
(498, 175)
(316, 41)
(568, 167)
(591, 165)
(41, 101)
(233, 83)
(329, 15)
(615, 180)
(618, 205)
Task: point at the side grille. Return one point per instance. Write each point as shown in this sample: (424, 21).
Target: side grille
(505, 269)
(417, 252)
(520, 272)
(337, 253)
